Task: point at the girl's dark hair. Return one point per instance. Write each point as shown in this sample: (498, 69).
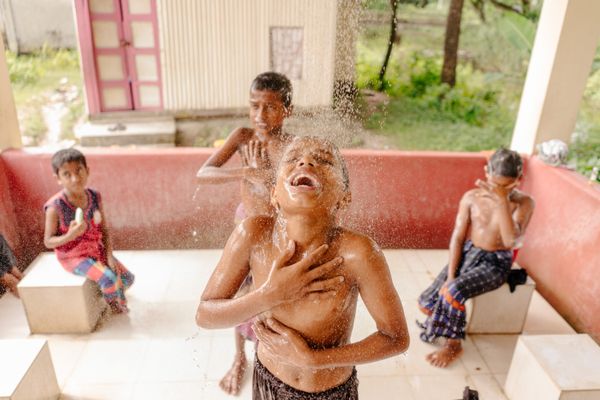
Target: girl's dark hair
(275, 82)
(505, 162)
(64, 156)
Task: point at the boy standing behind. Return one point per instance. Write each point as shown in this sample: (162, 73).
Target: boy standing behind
(82, 244)
(307, 275)
(260, 149)
(491, 221)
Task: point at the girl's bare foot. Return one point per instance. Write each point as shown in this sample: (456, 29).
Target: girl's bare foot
(444, 356)
(232, 381)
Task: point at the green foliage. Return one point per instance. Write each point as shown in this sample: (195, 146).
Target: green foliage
(584, 155)
(23, 70)
(29, 69)
(34, 126)
(470, 101)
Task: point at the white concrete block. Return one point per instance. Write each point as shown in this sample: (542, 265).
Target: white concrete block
(26, 370)
(57, 301)
(500, 311)
(554, 367)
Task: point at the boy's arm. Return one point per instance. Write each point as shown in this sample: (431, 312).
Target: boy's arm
(218, 308)
(459, 234)
(51, 239)
(512, 224)
(212, 173)
(379, 295)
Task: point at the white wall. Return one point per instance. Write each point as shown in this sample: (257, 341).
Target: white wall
(29, 24)
(211, 50)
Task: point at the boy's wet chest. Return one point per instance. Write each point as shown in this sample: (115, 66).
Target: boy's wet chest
(313, 313)
(486, 213)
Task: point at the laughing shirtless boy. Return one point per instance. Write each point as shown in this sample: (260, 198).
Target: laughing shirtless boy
(307, 275)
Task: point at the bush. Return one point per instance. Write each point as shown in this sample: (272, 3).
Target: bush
(23, 70)
(471, 101)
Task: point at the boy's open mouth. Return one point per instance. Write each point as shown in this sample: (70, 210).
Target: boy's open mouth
(304, 181)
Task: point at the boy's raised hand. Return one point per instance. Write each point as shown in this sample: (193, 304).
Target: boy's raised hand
(287, 283)
(254, 155)
(493, 191)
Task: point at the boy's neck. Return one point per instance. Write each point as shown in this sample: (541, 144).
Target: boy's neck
(308, 231)
(275, 132)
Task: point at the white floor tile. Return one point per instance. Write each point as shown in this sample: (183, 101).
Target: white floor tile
(76, 391)
(110, 361)
(496, 350)
(374, 387)
(158, 352)
(431, 387)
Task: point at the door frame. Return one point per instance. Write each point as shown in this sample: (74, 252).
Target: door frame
(88, 65)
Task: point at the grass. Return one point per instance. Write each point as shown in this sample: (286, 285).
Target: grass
(481, 112)
(34, 78)
(411, 126)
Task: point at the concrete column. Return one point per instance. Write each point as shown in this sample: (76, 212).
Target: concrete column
(565, 44)
(10, 135)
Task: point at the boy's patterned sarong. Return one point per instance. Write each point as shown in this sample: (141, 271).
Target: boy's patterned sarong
(479, 271)
(113, 284)
(266, 386)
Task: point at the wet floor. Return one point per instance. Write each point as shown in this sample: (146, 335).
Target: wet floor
(157, 352)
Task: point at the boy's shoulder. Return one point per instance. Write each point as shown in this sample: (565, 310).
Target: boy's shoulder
(242, 133)
(355, 243)
(522, 199)
(256, 227)
(471, 194)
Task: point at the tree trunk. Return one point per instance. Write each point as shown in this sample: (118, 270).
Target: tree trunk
(451, 42)
(394, 25)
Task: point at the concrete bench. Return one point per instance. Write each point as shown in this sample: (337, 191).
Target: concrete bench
(57, 301)
(26, 370)
(500, 311)
(553, 367)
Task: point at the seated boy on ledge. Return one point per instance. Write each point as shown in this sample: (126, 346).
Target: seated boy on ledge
(490, 222)
(308, 273)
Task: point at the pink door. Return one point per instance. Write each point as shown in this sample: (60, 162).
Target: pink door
(125, 65)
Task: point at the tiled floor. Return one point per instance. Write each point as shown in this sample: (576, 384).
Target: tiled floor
(157, 352)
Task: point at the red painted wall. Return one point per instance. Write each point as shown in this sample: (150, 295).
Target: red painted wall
(403, 200)
(8, 225)
(562, 248)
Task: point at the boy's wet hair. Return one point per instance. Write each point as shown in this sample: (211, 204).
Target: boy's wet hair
(275, 82)
(64, 156)
(506, 163)
(336, 153)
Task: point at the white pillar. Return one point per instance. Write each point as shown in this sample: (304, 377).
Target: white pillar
(565, 44)
(10, 135)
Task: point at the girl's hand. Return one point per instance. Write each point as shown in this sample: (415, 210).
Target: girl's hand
(76, 229)
(283, 343)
